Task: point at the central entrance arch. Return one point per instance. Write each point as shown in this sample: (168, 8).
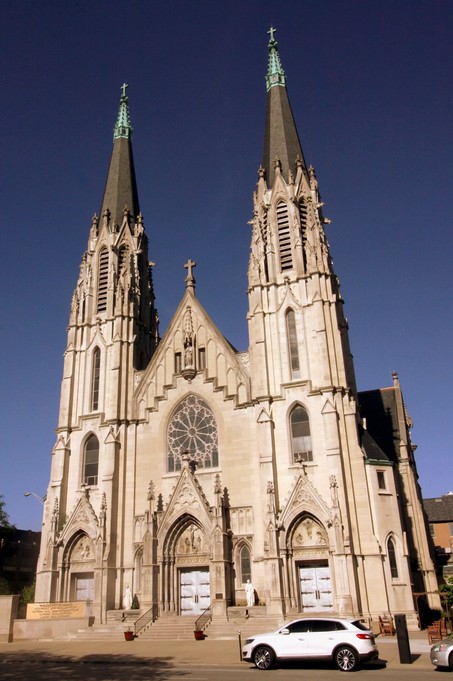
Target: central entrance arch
(310, 571)
(186, 583)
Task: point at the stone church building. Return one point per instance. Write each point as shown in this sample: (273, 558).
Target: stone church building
(184, 467)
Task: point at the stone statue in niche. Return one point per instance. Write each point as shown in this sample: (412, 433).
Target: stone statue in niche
(250, 593)
(127, 598)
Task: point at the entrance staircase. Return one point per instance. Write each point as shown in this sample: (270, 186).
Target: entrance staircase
(247, 621)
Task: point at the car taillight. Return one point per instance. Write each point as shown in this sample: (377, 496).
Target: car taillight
(369, 636)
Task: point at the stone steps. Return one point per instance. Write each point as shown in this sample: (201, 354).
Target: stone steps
(248, 621)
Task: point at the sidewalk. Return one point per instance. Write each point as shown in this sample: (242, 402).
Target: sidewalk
(207, 652)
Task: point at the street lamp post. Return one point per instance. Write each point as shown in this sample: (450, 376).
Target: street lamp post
(33, 494)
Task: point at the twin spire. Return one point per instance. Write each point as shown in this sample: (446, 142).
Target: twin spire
(121, 186)
(281, 143)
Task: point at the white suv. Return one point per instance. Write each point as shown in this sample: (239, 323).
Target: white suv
(345, 641)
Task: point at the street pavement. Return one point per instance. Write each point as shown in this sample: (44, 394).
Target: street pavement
(175, 652)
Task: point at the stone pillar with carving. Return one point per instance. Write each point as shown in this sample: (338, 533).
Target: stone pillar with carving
(220, 563)
(274, 591)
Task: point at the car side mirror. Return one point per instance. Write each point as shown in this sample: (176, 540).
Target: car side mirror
(284, 631)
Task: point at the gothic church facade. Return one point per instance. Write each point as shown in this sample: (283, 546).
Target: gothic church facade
(183, 468)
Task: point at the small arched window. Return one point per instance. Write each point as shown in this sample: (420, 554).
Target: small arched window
(293, 349)
(300, 436)
(103, 280)
(246, 564)
(96, 372)
(391, 552)
(91, 461)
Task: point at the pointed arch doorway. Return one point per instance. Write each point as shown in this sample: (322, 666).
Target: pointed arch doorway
(186, 572)
(312, 580)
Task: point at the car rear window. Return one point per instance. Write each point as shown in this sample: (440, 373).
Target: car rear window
(360, 625)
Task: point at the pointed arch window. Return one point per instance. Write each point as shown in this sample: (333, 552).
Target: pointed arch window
(301, 447)
(284, 237)
(245, 564)
(391, 552)
(91, 461)
(96, 373)
(103, 279)
(293, 348)
(192, 430)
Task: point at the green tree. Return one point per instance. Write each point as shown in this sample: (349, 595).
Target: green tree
(4, 517)
(28, 593)
(447, 591)
(4, 587)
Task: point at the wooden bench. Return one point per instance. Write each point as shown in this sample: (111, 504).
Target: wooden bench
(434, 632)
(386, 627)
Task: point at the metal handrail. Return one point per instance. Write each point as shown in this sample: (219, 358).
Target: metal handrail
(144, 620)
(203, 620)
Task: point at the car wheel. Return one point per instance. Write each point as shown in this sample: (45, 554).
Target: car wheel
(450, 660)
(264, 657)
(346, 659)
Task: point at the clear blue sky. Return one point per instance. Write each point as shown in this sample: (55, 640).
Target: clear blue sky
(370, 86)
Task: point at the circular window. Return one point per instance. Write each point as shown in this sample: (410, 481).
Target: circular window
(193, 431)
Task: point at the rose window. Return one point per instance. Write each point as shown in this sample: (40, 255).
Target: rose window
(192, 431)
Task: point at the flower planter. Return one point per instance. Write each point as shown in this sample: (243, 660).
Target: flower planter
(129, 635)
(199, 636)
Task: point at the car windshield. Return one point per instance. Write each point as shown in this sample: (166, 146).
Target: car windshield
(360, 625)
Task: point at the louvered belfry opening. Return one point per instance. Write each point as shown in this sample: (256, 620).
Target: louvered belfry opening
(103, 280)
(284, 237)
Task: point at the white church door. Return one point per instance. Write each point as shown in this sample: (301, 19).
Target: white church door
(84, 587)
(315, 588)
(195, 591)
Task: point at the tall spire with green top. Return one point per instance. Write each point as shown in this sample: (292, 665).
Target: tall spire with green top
(275, 73)
(123, 122)
(121, 187)
(281, 141)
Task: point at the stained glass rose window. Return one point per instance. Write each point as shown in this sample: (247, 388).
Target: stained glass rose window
(192, 430)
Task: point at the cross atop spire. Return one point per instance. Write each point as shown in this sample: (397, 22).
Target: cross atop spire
(190, 279)
(123, 122)
(275, 73)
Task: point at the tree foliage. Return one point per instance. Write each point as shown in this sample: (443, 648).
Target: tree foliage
(4, 517)
(447, 590)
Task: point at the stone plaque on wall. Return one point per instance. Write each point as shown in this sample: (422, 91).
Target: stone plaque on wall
(55, 611)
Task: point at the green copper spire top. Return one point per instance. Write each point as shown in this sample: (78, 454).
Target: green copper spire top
(281, 141)
(121, 188)
(275, 74)
(123, 122)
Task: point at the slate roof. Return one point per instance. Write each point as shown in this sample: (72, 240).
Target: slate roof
(281, 140)
(378, 407)
(371, 449)
(439, 509)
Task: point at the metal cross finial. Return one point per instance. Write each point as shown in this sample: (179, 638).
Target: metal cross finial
(190, 278)
(124, 88)
(271, 32)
